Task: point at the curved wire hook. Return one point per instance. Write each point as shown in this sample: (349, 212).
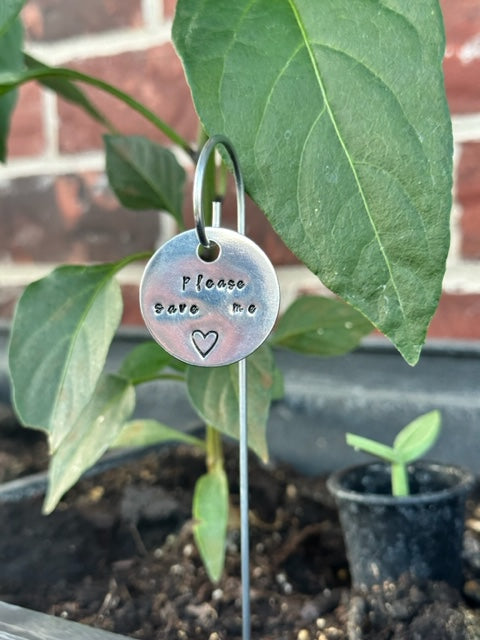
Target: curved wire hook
(198, 187)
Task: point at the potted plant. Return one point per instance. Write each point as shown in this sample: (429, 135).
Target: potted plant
(402, 516)
(358, 185)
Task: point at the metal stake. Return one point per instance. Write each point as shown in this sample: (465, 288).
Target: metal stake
(243, 458)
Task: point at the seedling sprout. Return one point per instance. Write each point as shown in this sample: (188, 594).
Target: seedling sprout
(411, 443)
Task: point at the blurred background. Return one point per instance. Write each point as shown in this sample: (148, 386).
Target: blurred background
(55, 204)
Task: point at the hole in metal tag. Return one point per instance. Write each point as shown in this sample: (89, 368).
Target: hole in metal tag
(210, 253)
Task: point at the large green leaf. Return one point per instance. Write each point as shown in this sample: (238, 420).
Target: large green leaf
(9, 10)
(337, 111)
(61, 333)
(210, 512)
(214, 394)
(144, 175)
(90, 436)
(320, 326)
(11, 60)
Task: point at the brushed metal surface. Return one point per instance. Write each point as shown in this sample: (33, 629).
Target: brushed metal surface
(210, 313)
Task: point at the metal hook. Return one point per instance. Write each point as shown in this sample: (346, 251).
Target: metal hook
(198, 187)
(242, 366)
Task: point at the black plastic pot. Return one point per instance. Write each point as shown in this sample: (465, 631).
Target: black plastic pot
(387, 537)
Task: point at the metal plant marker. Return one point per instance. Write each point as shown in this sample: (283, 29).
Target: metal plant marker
(210, 297)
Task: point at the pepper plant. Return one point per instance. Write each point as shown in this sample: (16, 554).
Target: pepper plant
(411, 443)
(338, 115)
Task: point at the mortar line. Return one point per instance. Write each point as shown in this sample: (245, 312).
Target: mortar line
(152, 14)
(50, 123)
(99, 45)
(466, 128)
(53, 165)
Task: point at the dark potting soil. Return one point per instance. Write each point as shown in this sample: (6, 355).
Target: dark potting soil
(118, 554)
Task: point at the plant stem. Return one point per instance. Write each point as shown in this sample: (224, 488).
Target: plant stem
(71, 74)
(214, 448)
(400, 485)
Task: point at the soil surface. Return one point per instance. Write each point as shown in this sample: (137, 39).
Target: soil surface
(118, 554)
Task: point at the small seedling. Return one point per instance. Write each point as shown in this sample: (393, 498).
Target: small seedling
(411, 443)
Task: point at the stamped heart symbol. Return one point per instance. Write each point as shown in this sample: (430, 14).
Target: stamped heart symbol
(204, 342)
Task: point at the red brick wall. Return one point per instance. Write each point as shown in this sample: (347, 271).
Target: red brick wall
(57, 207)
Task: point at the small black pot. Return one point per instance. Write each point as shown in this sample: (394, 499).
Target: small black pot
(420, 534)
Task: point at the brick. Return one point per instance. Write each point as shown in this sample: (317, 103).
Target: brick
(8, 300)
(462, 57)
(26, 130)
(72, 218)
(468, 196)
(457, 317)
(169, 7)
(49, 20)
(131, 307)
(154, 77)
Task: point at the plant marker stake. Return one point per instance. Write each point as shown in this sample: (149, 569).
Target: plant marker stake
(212, 300)
(243, 455)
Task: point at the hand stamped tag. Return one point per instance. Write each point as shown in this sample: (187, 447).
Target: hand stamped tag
(210, 312)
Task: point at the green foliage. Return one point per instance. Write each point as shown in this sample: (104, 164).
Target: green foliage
(61, 334)
(148, 361)
(9, 10)
(143, 433)
(210, 513)
(357, 182)
(11, 79)
(320, 326)
(411, 443)
(95, 429)
(214, 394)
(144, 175)
(11, 60)
(67, 90)
(338, 114)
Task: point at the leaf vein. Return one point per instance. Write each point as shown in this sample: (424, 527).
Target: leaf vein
(345, 150)
(383, 83)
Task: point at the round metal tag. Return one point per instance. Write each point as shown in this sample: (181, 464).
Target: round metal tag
(210, 313)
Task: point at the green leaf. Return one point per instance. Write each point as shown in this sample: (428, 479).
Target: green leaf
(90, 436)
(342, 130)
(278, 387)
(144, 175)
(146, 362)
(321, 326)
(371, 446)
(61, 333)
(418, 437)
(214, 395)
(11, 60)
(210, 511)
(67, 90)
(9, 10)
(143, 433)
